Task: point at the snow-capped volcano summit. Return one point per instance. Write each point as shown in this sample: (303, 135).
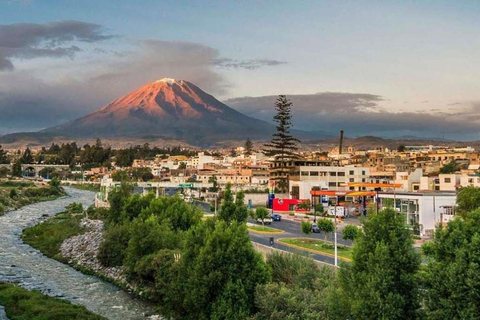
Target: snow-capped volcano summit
(167, 108)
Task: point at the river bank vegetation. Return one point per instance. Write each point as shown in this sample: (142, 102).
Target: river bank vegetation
(207, 269)
(17, 193)
(22, 304)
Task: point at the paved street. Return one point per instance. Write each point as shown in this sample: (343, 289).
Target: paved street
(292, 230)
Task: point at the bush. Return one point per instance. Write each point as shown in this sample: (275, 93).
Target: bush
(350, 232)
(306, 227)
(13, 193)
(327, 226)
(114, 245)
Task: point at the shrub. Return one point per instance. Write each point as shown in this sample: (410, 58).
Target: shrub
(114, 245)
(306, 227)
(350, 232)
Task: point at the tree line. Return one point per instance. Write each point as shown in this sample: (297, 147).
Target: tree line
(195, 268)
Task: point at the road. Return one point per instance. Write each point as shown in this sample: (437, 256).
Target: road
(291, 230)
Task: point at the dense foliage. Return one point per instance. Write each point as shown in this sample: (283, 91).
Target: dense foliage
(15, 194)
(193, 268)
(382, 282)
(21, 304)
(452, 277)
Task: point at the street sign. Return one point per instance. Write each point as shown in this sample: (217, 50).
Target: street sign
(185, 185)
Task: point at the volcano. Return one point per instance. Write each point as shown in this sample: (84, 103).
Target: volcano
(166, 108)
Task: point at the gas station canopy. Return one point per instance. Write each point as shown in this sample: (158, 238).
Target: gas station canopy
(342, 193)
(351, 193)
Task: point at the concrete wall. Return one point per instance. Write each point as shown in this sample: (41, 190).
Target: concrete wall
(260, 199)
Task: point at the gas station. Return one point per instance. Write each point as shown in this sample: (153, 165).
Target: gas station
(352, 202)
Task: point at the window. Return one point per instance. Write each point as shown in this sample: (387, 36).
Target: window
(341, 174)
(352, 180)
(447, 180)
(313, 173)
(363, 173)
(351, 172)
(416, 188)
(304, 173)
(332, 184)
(333, 174)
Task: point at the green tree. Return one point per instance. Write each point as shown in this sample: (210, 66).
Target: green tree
(55, 183)
(450, 167)
(401, 148)
(3, 156)
(304, 205)
(306, 227)
(182, 166)
(261, 213)
(283, 145)
(350, 232)
(4, 172)
(327, 226)
(121, 175)
(231, 210)
(117, 199)
(216, 275)
(468, 199)
(381, 282)
(319, 209)
(112, 249)
(27, 156)
(248, 147)
(452, 276)
(214, 182)
(17, 169)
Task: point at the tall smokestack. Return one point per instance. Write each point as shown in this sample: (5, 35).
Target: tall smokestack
(341, 143)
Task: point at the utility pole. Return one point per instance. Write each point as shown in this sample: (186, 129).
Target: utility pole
(335, 236)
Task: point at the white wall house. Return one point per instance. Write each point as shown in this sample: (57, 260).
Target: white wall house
(426, 208)
(327, 177)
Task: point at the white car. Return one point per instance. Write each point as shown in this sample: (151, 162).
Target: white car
(265, 221)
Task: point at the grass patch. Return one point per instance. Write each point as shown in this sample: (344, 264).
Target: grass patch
(264, 229)
(47, 237)
(15, 194)
(22, 304)
(320, 246)
(16, 184)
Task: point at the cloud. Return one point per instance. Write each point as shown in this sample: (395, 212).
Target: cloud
(363, 114)
(33, 40)
(31, 100)
(251, 64)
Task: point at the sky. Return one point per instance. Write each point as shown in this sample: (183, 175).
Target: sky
(385, 68)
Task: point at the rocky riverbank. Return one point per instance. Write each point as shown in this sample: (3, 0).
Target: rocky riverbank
(82, 250)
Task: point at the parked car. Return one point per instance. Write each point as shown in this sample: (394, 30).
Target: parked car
(265, 221)
(276, 217)
(315, 228)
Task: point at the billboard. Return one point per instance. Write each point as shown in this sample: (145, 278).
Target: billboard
(271, 186)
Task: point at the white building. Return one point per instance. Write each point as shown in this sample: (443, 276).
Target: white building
(325, 177)
(427, 209)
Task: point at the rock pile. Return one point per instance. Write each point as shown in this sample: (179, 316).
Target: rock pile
(82, 250)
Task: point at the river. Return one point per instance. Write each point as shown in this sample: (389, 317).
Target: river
(20, 262)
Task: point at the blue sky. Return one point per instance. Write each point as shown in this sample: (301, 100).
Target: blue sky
(418, 58)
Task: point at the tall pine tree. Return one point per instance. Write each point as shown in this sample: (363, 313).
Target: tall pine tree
(283, 145)
(248, 147)
(3, 156)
